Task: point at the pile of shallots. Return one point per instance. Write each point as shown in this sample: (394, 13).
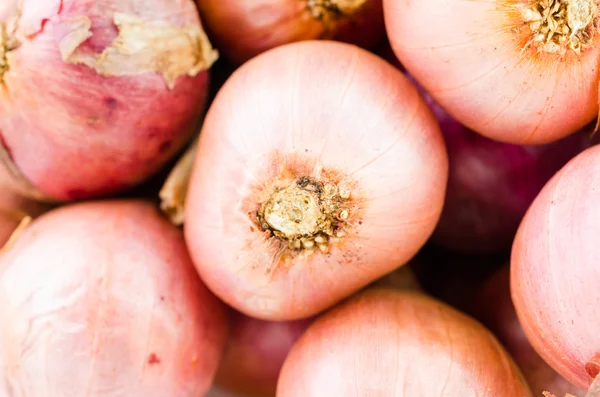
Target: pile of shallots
(299, 198)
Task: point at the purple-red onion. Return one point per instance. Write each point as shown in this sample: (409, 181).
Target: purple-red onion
(491, 184)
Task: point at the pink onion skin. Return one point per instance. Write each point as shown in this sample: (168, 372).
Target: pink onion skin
(242, 29)
(75, 134)
(494, 308)
(103, 296)
(554, 270)
(491, 184)
(325, 98)
(386, 343)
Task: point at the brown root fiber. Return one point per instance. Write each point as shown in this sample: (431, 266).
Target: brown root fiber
(558, 26)
(303, 208)
(327, 10)
(306, 214)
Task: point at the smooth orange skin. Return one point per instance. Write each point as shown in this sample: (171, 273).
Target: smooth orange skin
(242, 29)
(351, 111)
(385, 343)
(554, 269)
(102, 299)
(468, 56)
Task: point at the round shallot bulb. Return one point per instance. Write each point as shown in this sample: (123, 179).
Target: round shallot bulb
(242, 29)
(492, 184)
(494, 308)
(100, 298)
(319, 170)
(516, 71)
(555, 273)
(385, 343)
(95, 96)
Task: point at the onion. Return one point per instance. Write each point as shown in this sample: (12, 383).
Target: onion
(257, 348)
(496, 311)
(255, 353)
(491, 184)
(95, 96)
(329, 175)
(101, 298)
(555, 274)
(242, 29)
(521, 72)
(387, 343)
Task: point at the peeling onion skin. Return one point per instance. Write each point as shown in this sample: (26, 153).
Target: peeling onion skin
(468, 56)
(554, 269)
(76, 134)
(495, 310)
(313, 104)
(387, 343)
(242, 29)
(101, 298)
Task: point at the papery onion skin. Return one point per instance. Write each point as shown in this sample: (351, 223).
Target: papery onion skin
(103, 296)
(495, 310)
(554, 270)
(77, 131)
(471, 57)
(387, 343)
(321, 108)
(242, 29)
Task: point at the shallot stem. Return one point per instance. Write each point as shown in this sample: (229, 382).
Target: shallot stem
(173, 192)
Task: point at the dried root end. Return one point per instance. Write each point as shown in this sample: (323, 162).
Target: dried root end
(328, 10)
(307, 214)
(172, 194)
(561, 26)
